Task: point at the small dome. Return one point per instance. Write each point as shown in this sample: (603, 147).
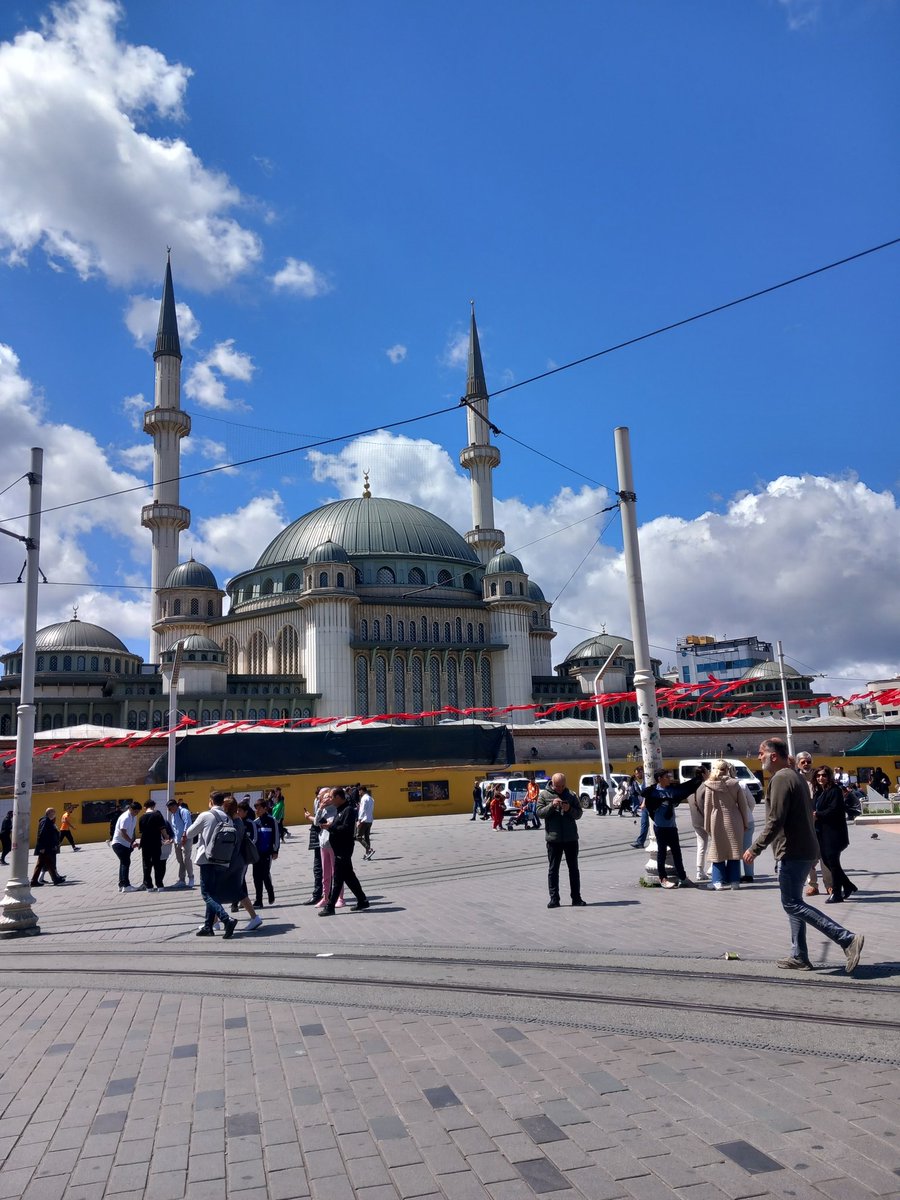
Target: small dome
(535, 593)
(327, 552)
(191, 574)
(503, 563)
(768, 670)
(197, 641)
(601, 645)
(78, 635)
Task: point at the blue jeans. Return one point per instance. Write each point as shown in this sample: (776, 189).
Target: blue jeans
(791, 878)
(209, 877)
(748, 842)
(645, 827)
(728, 871)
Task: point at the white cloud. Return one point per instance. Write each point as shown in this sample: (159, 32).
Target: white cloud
(456, 351)
(810, 560)
(801, 13)
(75, 466)
(396, 353)
(301, 278)
(205, 381)
(142, 321)
(81, 180)
(232, 542)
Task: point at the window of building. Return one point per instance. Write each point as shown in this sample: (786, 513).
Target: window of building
(288, 652)
(468, 581)
(434, 677)
(380, 684)
(257, 652)
(106, 664)
(469, 681)
(470, 633)
(385, 575)
(486, 690)
(292, 583)
(435, 631)
(95, 663)
(267, 588)
(416, 575)
(40, 663)
(412, 630)
(399, 686)
(417, 687)
(388, 628)
(452, 684)
(364, 631)
(401, 631)
(508, 588)
(445, 579)
(362, 686)
(493, 589)
(481, 631)
(176, 608)
(339, 581)
(376, 631)
(195, 606)
(323, 579)
(210, 609)
(446, 631)
(459, 629)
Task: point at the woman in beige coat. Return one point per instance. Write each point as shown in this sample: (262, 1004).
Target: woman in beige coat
(725, 819)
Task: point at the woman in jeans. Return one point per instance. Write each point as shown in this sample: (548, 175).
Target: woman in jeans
(831, 830)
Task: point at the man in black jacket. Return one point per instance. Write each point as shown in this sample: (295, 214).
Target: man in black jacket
(152, 828)
(341, 834)
(46, 847)
(560, 809)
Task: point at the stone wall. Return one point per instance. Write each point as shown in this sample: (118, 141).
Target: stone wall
(119, 766)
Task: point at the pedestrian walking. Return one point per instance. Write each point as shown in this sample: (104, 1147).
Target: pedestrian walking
(267, 843)
(65, 826)
(46, 847)
(661, 799)
(365, 817)
(210, 832)
(831, 831)
(278, 813)
(314, 845)
(340, 829)
(179, 816)
(561, 810)
(498, 806)
(123, 838)
(153, 830)
(789, 831)
(477, 802)
(601, 790)
(6, 836)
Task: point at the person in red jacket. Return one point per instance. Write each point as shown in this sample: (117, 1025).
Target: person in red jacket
(498, 806)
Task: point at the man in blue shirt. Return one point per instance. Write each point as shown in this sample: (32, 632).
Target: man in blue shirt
(179, 817)
(660, 800)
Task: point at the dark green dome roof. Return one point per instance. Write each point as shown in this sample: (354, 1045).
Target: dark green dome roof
(503, 563)
(191, 574)
(366, 526)
(78, 635)
(197, 641)
(535, 593)
(328, 552)
(601, 645)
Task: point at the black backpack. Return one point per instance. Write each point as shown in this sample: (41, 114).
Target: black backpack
(222, 841)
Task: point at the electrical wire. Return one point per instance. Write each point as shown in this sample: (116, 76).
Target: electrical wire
(594, 544)
(13, 484)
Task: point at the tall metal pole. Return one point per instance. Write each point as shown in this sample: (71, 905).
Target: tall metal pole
(173, 721)
(784, 696)
(644, 681)
(17, 918)
(601, 722)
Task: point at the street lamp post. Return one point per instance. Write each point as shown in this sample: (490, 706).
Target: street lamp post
(601, 721)
(17, 918)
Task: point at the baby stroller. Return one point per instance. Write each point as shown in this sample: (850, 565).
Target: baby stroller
(523, 818)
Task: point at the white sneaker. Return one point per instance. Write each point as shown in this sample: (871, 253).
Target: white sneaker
(669, 883)
(130, 888)
(718, 887)
(254, 923)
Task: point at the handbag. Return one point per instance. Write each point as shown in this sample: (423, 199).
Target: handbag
(166, 851)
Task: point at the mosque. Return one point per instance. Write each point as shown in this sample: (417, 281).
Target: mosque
(363, 606)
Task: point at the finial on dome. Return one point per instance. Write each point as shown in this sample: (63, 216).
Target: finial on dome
(367, 495)
(74, 612)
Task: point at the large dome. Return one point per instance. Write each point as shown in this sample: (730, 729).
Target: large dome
(768, 670)
(601, 645)
(365, 526)
(78, 635)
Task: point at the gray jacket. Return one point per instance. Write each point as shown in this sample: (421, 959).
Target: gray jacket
(559, 826)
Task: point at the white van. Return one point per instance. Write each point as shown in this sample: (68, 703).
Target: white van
(513, 785)
(587, 783)
(687, 767)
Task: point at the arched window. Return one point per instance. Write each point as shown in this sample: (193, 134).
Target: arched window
(435, 631)
(132, 719)
(452, 684)
(267, 588)
(508, 588)
(288, 652)
(412, 629)
(459, 629)
(165, 608)
(401, 631)
(380, 684)
(67, 662)
(106, 664)
(468, 581)
(4, 725)
(446, 631)
(251, 714)
(521, 589)
(118, 666)
(309, 581)
(293, 583)
(434, 677)
(470, 633)
(195, 607)
(364, 631)
(399, 686)
(176, 608)
(417, 702)
(469, 682)
(39, 666)
(142, 719)
(80, 664)
(481, 631)
(47, 722)
(423, 627)
(534, 616)
(95, 663)
(229, 646)
(385, 575)
(339, 581)
(376, 631)
(486, 690)
(257, 649)
(210, 609)
(389, 628)
(416, 575)
(362, 687)
(323, 579)
(204, 717)
(493, 589)
(445, 579)
(358, 576)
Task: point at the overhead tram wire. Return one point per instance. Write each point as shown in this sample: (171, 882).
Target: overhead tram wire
(593, 546)
(13, 484)
(499, 392)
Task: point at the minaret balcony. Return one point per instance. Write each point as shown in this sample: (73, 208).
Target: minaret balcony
(486, 537)
(167, 420)
(165, 516)
(486, 455)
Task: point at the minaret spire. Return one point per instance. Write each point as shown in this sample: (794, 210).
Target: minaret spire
(480, 457)
(165, 517)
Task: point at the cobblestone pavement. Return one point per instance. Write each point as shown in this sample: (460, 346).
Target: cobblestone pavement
(174, 1074)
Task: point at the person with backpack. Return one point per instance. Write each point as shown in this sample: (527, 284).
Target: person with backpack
(267, 843)
(214, 848)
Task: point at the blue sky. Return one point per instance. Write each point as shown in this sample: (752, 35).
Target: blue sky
(338, 181)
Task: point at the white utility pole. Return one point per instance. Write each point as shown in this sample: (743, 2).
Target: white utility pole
(784, 696)
(17, 918)
(644, 681)
(601, 720)
(173, 721)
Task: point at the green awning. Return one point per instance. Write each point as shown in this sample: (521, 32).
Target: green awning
(880, 742)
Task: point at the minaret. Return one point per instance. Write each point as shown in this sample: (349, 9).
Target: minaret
(480, 457)
(167, 425)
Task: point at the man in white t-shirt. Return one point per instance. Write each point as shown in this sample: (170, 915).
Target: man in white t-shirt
(123, 844)
(364, 820)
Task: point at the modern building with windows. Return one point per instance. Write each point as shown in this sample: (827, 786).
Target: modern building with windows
(702, 656)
